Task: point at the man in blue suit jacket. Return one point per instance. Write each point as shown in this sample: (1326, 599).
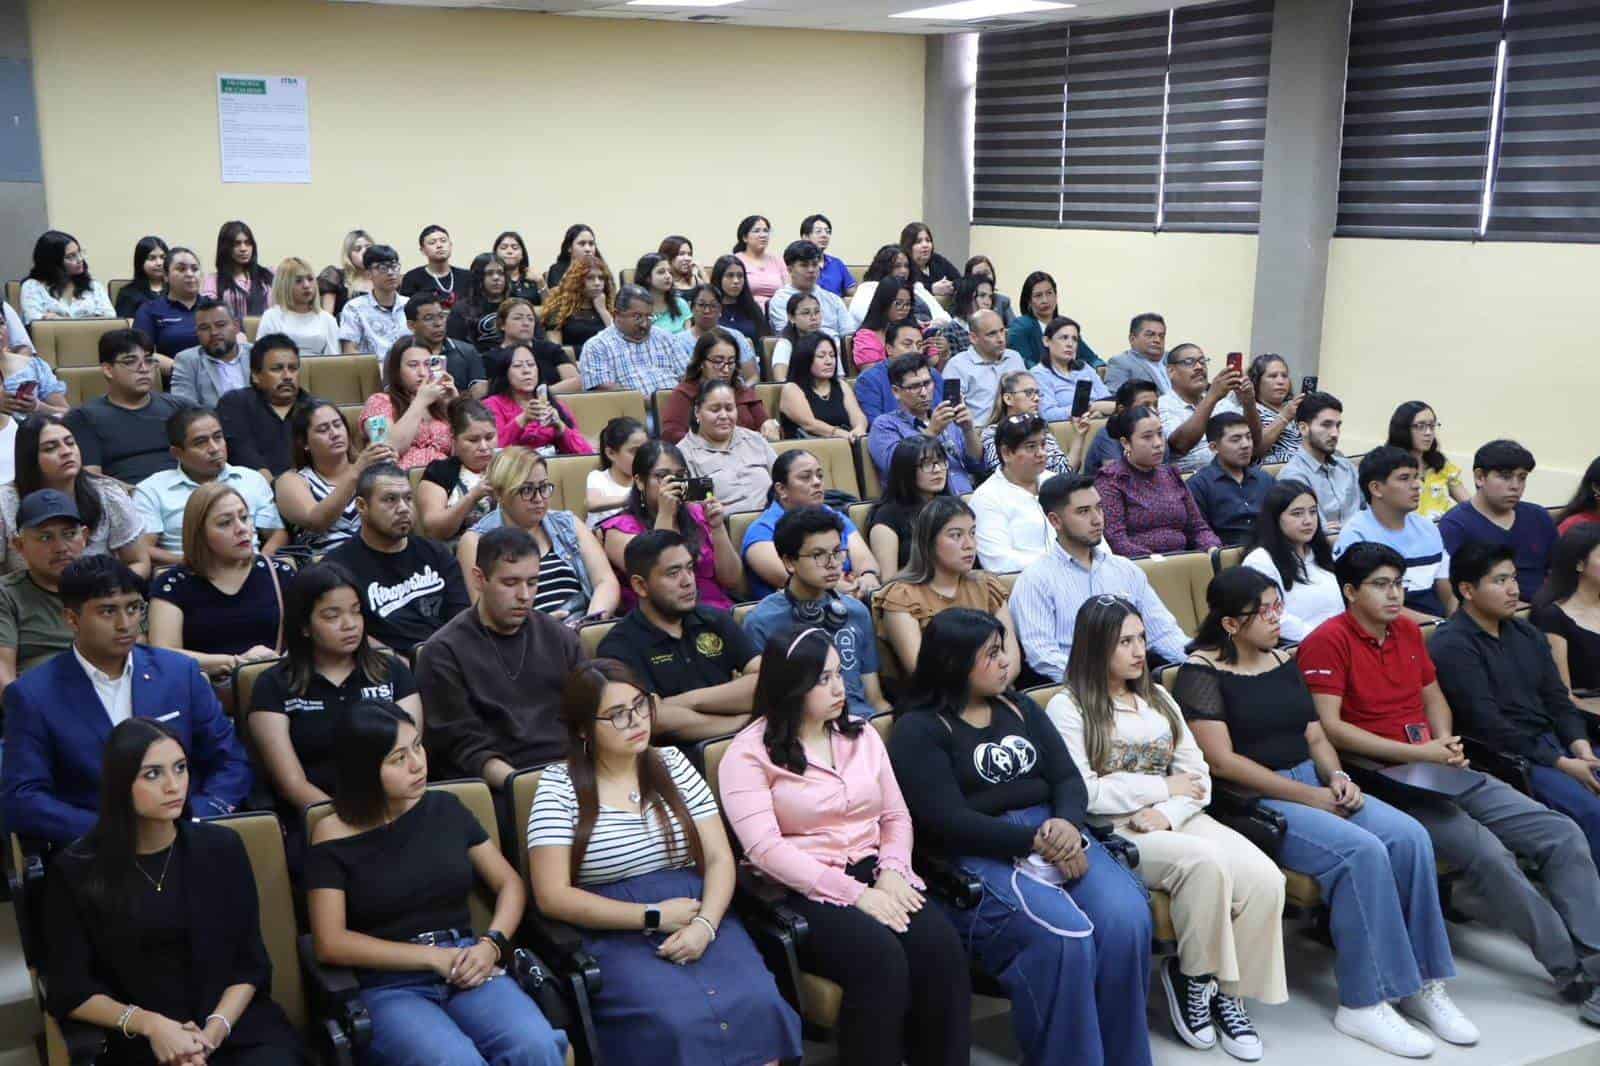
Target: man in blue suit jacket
(59, 715)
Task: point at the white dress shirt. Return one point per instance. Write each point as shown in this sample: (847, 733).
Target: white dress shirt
(1012, 529)
(116, 694)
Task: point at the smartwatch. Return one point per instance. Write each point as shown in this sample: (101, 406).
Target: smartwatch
(652, 919)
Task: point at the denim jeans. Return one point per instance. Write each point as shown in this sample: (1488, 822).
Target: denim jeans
(419, 1020)
(1561, 793)
(1073, 999)
(1377, 874)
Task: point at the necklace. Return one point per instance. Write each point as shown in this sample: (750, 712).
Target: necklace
(156, 884)
(521, 658)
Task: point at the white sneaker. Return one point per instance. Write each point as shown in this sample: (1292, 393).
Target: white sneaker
(1433, 1008)
(1385, 1030)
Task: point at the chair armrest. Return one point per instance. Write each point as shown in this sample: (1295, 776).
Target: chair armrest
(947, 880)
(1121, 848)
(336, 995)
(1241, 810)
(1514, 770)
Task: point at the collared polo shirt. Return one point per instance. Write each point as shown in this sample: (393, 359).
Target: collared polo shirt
(32, 621)
(314, 714)
(1531, 537)
(161, 498)
(1380, 683)
(710, 652)
(1230, 506)
(835, 276)
(980, 379)
(1174, 412)
(741, 473)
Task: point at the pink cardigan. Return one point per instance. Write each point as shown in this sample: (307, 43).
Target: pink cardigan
(802, 830)
(567, 440)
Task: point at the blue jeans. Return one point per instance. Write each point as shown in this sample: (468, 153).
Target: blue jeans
(1561, 793)
(1073, 1000)
(419, 1020)
(1377, 874)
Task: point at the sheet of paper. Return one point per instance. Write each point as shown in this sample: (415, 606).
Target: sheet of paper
(265, 124)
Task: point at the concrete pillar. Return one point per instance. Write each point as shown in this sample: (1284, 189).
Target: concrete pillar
(950, 70)
(22, 208)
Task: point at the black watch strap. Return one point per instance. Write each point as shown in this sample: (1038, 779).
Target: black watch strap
(498, 939)
(652, 919)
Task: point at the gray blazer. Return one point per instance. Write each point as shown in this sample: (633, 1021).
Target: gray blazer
(1130, 366)
(197, 378)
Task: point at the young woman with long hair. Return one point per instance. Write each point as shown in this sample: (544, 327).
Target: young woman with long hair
(625, 838)
(523, 414)
(1290, 548)
(1584, 506)
(669, 311)
(475, 320)
(928, 268)
(149, 277)
(317, 495)
(59, 284)
(891, 304)
(1567, 608)
(454, 494)
(1414, 428)
(798, 783)
(239, 280)
(764, 272)
(582, 305)
(511, 252)
(739, 308)
(296, 311)
(804, 318)
(686, 274)
(980, 266)
(714, 359)
(606, 489)
(578, 247)
(1148, 782)
(816, 400)
(47, 457)
(891, 261)
(409, 415)
(919, 472)
(338, 285)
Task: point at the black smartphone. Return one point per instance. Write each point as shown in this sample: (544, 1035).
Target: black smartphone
(1080, 398)
(697, 489)
(1308, 384)
(952, 391)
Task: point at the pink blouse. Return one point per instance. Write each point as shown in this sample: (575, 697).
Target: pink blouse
(705, 567)
(764, 276)
(566, 439)
(433, 439)
(802, 830)
(867, 348)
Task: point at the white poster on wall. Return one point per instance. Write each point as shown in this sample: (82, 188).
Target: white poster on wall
(265, 124)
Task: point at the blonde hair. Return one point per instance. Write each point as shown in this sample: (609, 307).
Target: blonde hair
(346, 264)
(196, 549)
(510, 469)
(283, 283)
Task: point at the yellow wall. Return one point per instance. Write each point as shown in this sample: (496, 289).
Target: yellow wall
(478, 120)
(1496, 337)
(1202, 283)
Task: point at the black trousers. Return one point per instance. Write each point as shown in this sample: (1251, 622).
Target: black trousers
(907, 996)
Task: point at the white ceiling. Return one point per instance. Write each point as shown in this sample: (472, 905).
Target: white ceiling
(858, 15)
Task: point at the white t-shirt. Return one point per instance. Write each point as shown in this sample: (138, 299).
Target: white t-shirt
(600, 481)
(1309, 603)
(313, 332)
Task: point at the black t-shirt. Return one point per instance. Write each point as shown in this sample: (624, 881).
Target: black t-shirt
(579, 327)
(217, 623)
(450, 289)
(1266, 714)
(1583, 645)
(127, 445)
(313, 713)
(712, 649)
(409, 593)
(735, 319)
(409, 877)
(549, 357)
(899, 518)
(131, 297)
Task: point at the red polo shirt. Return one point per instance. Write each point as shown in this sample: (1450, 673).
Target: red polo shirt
(1381, 684)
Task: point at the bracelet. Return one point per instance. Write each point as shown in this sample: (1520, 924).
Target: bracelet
(703, 920)
(122, 1021)
(499, 956)
(225, 1023)
(1340, 773)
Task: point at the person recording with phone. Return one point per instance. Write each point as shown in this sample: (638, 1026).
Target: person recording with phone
(525, 413)
(950, 422)
(1276, 404)
(427, 319)
(1193, 400)
(410, 414)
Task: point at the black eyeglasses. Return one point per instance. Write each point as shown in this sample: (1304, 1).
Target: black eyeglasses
(623, 717)
(531, 491)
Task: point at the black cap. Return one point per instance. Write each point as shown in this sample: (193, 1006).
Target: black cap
(43, 505)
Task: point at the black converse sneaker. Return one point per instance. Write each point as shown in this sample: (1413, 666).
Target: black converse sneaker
(1239, 1037)
(1189, 1002)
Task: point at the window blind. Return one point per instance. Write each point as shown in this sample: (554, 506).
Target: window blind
(1017, 142)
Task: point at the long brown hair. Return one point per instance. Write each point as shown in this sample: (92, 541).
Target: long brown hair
(569, 298)
(398, 400)
(1094, 639)
(658, 795)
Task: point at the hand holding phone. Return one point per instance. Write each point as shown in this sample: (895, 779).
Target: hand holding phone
(1236, 362)
(952, 391)
(1080, 398)
(1308, 384)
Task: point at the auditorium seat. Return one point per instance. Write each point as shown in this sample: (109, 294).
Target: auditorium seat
(769, 393)
(85, 383)
(352, 421)
(592, 410)
(871, 483)
(1224, 559)
(1181, 581)
(341, 379)
(768, 343)
(252, 325)
(591, 635)
(569, 474)
(72, 341)
(838, 461)
(858, 514)
(115, 286)
(14, 296)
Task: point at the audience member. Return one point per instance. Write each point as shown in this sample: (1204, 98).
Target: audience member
(949, 423)
(764, 274)
(809, 542)
(815, 400)
(678, 251)
(410, 413)
(1046, 597)
(491, 676)
(1289, 548)
(696, 657)
(328, 667)
(892, 304)
(1148, 782)
(1414, 428)
(928, 268)
(810, 794)
(736, 459)
(606, 489)
(1012, 531)
(453, 494)
(388, 880)
(1105, 448)
(991, 787)
(740, 311)
(980, 368)
(128, 957)
(941, 575)
(256, 419)
(123, 434)
(1392, 487)
(1186, 410)
(475, 320)
(578, 248)
(1254, 720)
(218, 364)
(28, 386)
(798, 481)
(918, 472)
(1496, 514)
(1584, 506)
(891, 261)
(33, 624)
(59, 284)
(802, 261)
(714, 358)
(1148, 510)
(1318, 463)
(1060, 371)
(511, 252)
(372, 321)
(705, 318)
(873, 390)
(409, 585)
(338, 285)
(436, 275)
(979, 266)
(804, 319)
(1025, 335)
(583, 306)
(1567, 609)
(1276, 407)
(223, 605)
(48, 458)
(574, 581)
(317, 496)
(835, 276)
(1377, 695)
(518, 323)
(1018, 396)
(619, 824)
(669, 312)
(1229, 490)
(297, 312)
(55, 714)
(168, 319)
(17, 340)
(240, 282)
(974, 293)
(148, 279)
(657, 501)
(427, 319)
(1145, 359)
(631, 353)
(195, 436)
(525, 413)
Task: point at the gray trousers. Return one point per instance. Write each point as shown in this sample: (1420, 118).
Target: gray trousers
(1482, 833)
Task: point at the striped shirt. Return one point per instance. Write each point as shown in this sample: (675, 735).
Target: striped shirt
(623, 844)
(558, 584)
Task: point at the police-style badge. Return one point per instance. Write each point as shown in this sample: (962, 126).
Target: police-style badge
(709, 645)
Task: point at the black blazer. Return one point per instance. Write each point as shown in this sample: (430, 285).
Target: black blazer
(88, 951)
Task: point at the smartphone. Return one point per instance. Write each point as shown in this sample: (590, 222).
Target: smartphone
(952, 391)
(1080, 399)
(543, 392)
(435, 367)
(1308, 384)
(697, 489)
(378, 429)
(1236, 362)
(27, 391)
(1418, 732)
